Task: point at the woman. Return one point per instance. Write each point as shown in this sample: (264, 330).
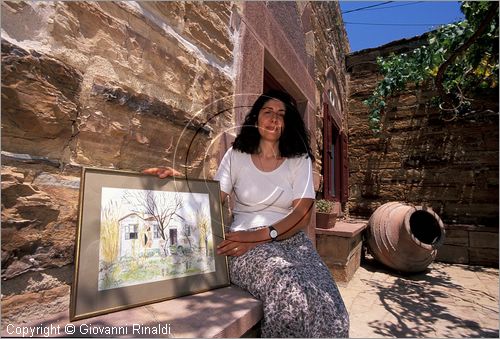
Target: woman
(269, 169)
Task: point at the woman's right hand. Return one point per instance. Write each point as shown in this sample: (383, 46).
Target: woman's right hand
(162, 172)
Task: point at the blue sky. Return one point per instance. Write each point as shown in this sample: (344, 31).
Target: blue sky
(394, 20)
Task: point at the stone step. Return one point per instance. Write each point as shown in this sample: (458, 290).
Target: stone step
(345, 228)
(340, 247)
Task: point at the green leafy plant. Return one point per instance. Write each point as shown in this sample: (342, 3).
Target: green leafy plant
(460, 58)
(324, 206)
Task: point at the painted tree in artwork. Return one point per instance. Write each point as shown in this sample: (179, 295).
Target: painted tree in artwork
(110, 238)
(160, 206)
(203, 224)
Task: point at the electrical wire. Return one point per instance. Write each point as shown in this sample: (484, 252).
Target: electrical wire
(362, 8)
(389, 24)
(377, 9)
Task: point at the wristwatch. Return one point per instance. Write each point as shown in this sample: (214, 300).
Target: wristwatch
(273, 233)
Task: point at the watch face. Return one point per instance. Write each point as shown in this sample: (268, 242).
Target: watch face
(273, 234)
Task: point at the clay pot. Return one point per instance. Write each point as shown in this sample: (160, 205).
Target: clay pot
(405, 237)
(325, 220)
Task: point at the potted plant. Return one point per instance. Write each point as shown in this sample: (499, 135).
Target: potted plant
(325, 217)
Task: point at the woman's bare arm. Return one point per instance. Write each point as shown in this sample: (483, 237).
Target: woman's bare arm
(223, 196)
(162, 172)
(295, 221)
(238, 243)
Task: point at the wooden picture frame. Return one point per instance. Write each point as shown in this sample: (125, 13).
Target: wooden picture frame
(141, 239)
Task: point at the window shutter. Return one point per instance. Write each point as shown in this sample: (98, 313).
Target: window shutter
(327, 131)
(345, 170)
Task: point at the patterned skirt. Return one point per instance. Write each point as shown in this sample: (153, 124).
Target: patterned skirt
(299, 295)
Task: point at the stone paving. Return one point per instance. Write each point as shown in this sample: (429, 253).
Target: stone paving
(448, 300)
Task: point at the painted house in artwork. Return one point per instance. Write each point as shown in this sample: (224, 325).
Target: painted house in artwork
(141, 234)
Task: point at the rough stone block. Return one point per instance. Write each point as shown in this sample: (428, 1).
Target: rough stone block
(483, 239)
(453, 254)
(483, 256)
(39, 102)
(344, 273)
(336, 249)
(457, 238)
(340, 249)
(39, 217)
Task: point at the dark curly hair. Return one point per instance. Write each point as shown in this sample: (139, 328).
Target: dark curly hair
(294, 140)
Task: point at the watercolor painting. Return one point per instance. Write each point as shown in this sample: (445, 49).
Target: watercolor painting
(141, 239)
(148, 236)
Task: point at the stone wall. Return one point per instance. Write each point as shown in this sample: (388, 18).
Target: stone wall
(331, 47)
(97, 82)
(419, 157)
(470, 244)
(127, 85)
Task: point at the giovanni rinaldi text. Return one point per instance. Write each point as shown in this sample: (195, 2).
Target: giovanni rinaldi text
(50, 330)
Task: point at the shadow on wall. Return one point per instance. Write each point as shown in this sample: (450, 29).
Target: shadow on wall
(419, 157)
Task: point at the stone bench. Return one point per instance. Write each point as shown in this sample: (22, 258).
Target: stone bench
(340, 248)
(224, 312)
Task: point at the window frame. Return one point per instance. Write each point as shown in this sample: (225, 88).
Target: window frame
(128, 233)
(333, 135)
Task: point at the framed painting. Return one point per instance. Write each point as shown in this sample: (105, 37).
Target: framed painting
(141, 239)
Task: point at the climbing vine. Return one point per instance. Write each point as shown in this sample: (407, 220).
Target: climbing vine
(459, 58)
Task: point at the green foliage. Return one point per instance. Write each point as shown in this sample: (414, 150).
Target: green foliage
(476, 67)
(324, 206)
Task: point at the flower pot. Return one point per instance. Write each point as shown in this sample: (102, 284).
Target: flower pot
(325, 220)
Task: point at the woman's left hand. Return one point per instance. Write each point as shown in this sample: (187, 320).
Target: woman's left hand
(234, 248)
(237, 243)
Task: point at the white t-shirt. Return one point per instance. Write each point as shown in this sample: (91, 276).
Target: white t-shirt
(263, 198)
